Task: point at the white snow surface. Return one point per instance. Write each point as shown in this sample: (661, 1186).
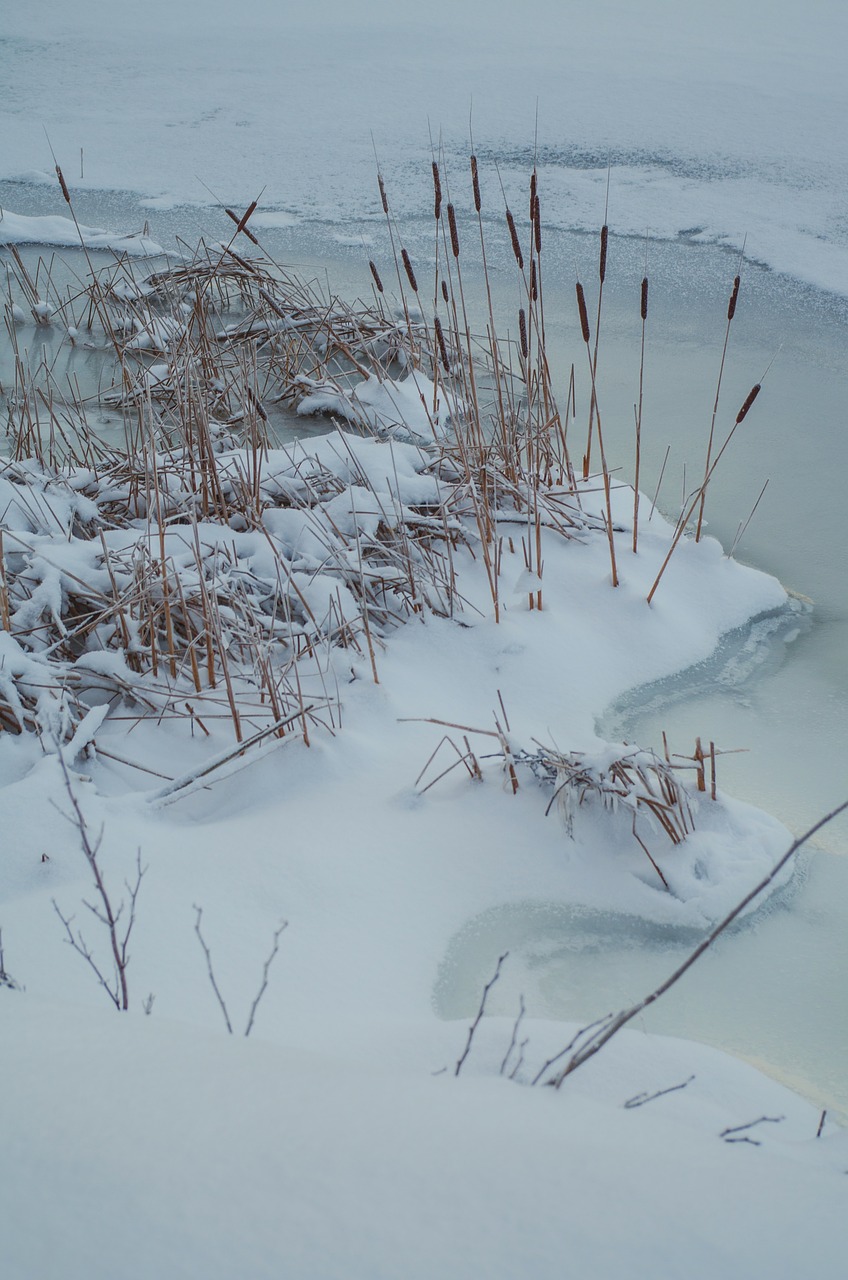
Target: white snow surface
(324, 1146)
(17, 228)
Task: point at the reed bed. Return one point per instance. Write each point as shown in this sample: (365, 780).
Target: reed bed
(211, 567)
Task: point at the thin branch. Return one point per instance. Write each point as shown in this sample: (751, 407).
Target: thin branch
(642, 1098)
(105, 914)
(209, 969)
(265, 970)
(515, 1026)
(612, 1026)
(480, 1012)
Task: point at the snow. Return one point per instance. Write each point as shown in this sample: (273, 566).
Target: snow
(246, 1158)
(324, 1145)
(17, 228)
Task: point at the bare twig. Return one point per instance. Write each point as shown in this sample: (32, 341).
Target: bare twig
(612, 1025)
(642, 1098)
(266, 969)
(6, 979)
(738, 1133)
(515, 1026)
(116, 988)
(210, 971)
(480, 1012)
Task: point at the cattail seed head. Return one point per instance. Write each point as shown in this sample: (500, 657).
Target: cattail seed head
(410, 274)
(644, 307)
(752, 395)
(475, 182)
(731, 306)
(247, 215)
(516, 244)
(584, 314)
(62, 184)
(537, 223)
(384, 198)
(437, 187)
(522, 330)
(440, 338)
(454, 234)
(532, 193)
(602, 266)
(445, 294)
(375, 273)
(534, 286)
(246, 231)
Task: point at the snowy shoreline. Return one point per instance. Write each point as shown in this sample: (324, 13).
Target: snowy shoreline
(205, 587)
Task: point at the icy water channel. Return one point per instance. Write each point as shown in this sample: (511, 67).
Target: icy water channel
(774, 989)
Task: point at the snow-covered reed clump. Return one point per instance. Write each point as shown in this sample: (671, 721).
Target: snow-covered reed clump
(212, 571)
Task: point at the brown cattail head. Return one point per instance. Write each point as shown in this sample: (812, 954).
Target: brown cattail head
(644, 307)
(445, 294)
(410, 274)
(513, 235)
(752, 395)
(584, 314)
(532, 193)
(522, 330)
(246, 231)
(454, 234)
(602, 266)
(731, 306)
(384, 198)
(62, 184)
(537, 223)
(375, 273)
(534, 286)
(475, 182)
(437, 187)
(440, 338)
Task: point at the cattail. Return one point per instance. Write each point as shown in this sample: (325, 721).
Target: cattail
(247, 215)
(375, 273)
(246, 231)
(532, 193)
(522, 329)
(537, 224)
(475, 182)
(454, 234)
(445, 294)
(65, 191)
(513, 235)
(534, 286)
(584, 315)
(752, 395)
(644, 307)
(437, 187)
(731, 306)
(440, 338)
(383, 196)
(602, 267)
(409, 272)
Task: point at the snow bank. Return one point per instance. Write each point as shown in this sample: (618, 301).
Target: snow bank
(17, 228)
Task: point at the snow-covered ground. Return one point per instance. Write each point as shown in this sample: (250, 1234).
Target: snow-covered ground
(324, 1146)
